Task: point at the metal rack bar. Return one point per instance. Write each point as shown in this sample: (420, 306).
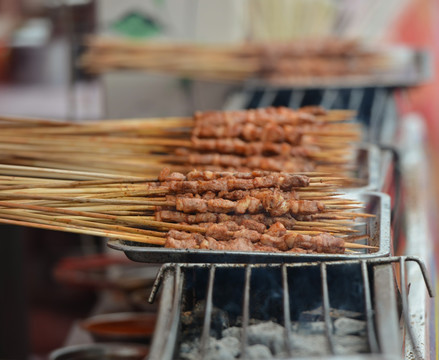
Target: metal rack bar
(245, 311)
(371, 335)
(326, 307)
(207, 314)
(286, 310)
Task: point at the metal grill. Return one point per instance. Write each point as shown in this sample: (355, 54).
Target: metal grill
(363, 286)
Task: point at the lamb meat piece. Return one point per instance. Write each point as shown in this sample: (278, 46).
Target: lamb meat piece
(277, 229)
(248, 204)
(200, 175)
(265, 248)
(219, 232)
(305, 207)
(322, 243)
(179, 235)
(181, 244)
(179, 217)
(253, 225)
(274, 241)
(251, 235)
(272, 133)
(167, 175)
(275, 204)
(191, 205)
(255, 116)
(215, 185)
(182, 186)
(257, 193)
(220, 205)
(242, 205)
(172, 216)
(287, 220)
(239, 184)
(182, 240)
(232, 245)
(251, 132)
(289, 181)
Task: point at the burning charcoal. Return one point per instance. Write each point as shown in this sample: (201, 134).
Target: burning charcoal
(345, 326)
(350, 344)
(269, 334)
(310, 327)
(258, 352)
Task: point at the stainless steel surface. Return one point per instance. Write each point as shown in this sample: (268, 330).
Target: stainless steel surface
(420, 235)
(388, 332)
(380, 310)
(377, 228)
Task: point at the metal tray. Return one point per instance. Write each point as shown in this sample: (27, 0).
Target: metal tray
(367, 159)
(412, 67)
(378, 229)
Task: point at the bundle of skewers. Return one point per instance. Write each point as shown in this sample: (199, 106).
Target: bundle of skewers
(227, 211)
(272, 139)
(327, 57)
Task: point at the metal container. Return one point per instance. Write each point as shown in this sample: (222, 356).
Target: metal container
(377, 228)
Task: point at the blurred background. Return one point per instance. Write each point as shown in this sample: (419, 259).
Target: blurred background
(41, 44)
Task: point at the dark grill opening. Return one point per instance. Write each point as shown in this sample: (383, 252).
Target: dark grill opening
(314, 309)
(260, 319)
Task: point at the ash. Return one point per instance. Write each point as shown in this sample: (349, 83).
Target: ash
(267, 339)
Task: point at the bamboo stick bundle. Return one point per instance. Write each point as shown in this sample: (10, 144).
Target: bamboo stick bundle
(309, 139)
(259, 211)
(310, 58)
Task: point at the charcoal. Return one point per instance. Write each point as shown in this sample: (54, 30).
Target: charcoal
(232, 331)
(309, 345)
(256, 352)
(345, 326)
(269, 334)
(310, 327)
(350, 344)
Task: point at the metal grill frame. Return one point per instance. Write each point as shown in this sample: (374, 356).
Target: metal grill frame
(381, 345)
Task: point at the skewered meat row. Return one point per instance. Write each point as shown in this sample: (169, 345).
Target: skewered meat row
(277, 163)
(240, 147)
(281, 180)
(269, 132)
(256, 222)
(275, 239)
(272, 203)
(260, 194)
(280, 115)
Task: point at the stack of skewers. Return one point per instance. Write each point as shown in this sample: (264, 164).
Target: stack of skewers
(103, 178)
(272, 139)
(255, 211)
(328, 57)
